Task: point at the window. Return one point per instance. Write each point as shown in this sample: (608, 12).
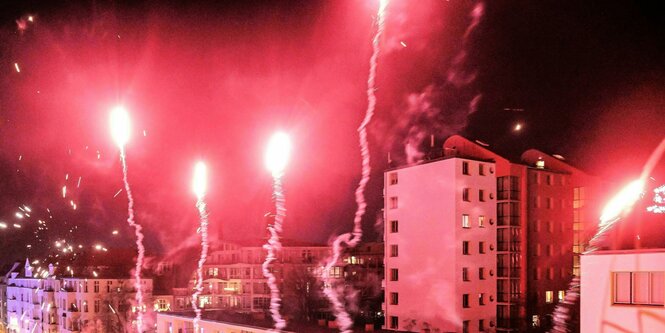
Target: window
(550, 250)
(394, 274)
(85, 286)
(96, 286)
(481, 273)
(537, 250)
(537, 273)
(465, 274)
(481, 325)
(481, 299)
(550, 203)
(465, 168)
(481, 169)
(550, 226)
(550, 273)
(579, 197)
(393, 202)
(639, 288)
(549, 179)
(392, 178)
(549, 296)
(394, 321)
(561, 295)
(108, 286)
(481, 247)
(465, 247)
(465, 326)
(85, 306)
(394, 250)
(394, 298)
(465, 221)
(394, 226)
(465, 194)
(97, 306)
(465, 300)
(536, 202)
(481, 195)
(481, 221)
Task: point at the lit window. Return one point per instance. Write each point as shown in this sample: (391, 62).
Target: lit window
(465, 300)
(561, 295)
(394, 226)
(465, 247)
(393, 250)
(394, 274)
(393, 178)
(549, 296)
(465, 221)
(481, 221)
(465, 194)
(465, 168)
(393, 202)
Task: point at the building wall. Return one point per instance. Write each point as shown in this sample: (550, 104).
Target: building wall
(428, 209)
(598, 311)
(171, 323)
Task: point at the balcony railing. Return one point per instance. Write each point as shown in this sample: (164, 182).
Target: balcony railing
(513, 272)
(508, 297)
(508, 195)
(513, 220)
(513, 246)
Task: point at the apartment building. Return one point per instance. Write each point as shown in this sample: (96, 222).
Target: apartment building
(440, 245)
(233, 275)
(42, 302)
(623, 291)
(542, 217)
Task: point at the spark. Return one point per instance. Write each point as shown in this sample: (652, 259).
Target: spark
(18, 69)
(98, 247)
(120, 132)
(3, 225)
(27, 208)
(658, 199)
(64, 191)
(403, 44)
(344, 321)
(18, 215)
(622, 202)
(31, 18)
(78, 184)
(18, 226)
(20, 157)
(66, 176)
(117, 193)
(518, 127)
(277, 157)
(115, 232)
(199, 185)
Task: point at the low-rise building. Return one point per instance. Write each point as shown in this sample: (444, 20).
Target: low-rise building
(623, 291)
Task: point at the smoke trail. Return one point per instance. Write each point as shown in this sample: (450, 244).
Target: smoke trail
(201, 206)
(344, 322)
(139, 243)
(272, 247)
(631, 193)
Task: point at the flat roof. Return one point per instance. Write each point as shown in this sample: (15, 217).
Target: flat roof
(630, 251)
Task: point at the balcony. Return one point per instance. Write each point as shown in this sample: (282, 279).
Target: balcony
(508, 221)
(513, 246)
(508, 297)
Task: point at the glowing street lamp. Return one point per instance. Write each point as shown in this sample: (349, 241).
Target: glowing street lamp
(277, 154)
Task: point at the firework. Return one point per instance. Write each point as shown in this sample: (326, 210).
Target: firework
(277, 157)
(120, 131)
(199, 186)
(658, 199)
(344, 322)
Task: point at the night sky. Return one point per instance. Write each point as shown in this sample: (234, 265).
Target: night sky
(213, 82)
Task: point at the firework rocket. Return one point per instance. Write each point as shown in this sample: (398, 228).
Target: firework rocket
(199, 186)
(352, 239)
(120, 131)
(277, 157)
(621, 204)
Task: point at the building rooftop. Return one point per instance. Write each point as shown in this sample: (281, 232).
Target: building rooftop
(628, 251)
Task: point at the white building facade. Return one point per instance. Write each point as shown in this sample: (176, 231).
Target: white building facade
(440, 238)
(623, 291)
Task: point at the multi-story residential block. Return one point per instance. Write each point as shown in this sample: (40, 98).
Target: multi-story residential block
(41, 301)
(233, 275)
(623, 291)
(539, 223)
(440, 245)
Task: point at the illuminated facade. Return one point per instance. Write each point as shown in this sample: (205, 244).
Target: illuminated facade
(440, 245)
(543, 209)
(40, 302)
(233, 275)
(623, 291)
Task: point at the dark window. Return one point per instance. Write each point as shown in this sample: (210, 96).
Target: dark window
(394, 226)
(481, 195)
(394, 274)
(481, 169)
(465, 300)
(481, 247)
(481, 273)
(465, 194)
(393, 322)
(465, 274)
(465, 168)
(394, 298)
(393, 250)
(465, 247)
